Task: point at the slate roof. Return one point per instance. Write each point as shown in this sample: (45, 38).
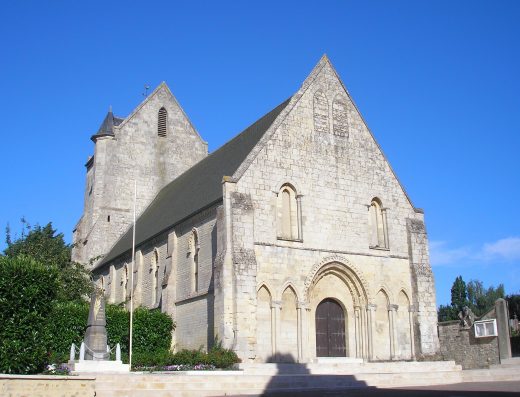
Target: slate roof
(107, 126)
(197, 188)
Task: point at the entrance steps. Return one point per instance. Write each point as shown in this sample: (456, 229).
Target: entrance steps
(256, 379)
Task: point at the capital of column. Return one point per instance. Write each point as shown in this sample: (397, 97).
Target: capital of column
(371, 307)
(276, 304)
(302, 305)
(412, 309)
(393, 307)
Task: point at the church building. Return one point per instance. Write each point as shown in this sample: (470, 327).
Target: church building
(293, 241)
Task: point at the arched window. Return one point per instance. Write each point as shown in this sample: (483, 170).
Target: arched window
(377, 222)
(193, 253)
(340, 117)
(154, 270)
(321, 112)
(289, 214)
(162, 122)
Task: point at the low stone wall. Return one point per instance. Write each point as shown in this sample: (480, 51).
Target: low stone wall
(460, 345)
(46, 386)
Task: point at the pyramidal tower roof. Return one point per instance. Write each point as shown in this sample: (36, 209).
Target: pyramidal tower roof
(107, 126)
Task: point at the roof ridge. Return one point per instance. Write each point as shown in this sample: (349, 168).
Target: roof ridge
(194, 189)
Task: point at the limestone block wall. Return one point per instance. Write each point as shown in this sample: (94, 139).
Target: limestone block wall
(336, 169)
(135, 153)
(461, 346)
(47, 386)
(163, 277)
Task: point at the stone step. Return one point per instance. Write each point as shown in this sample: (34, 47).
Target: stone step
(507, 363)
(351, 368)
(492, 374)
(247, 384)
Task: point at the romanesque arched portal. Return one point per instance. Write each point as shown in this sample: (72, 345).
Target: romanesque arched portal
(337, 320)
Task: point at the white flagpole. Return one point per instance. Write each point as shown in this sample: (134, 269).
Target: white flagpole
(132, 282)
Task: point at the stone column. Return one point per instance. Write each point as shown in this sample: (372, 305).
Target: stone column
(299, 215)
(412, 336)
(385, 226)
(391, 316)
(301, 312)
(364, 332)
(273, 330)
(371, 308)
(277, 307)
(299, 331)
(357, 332)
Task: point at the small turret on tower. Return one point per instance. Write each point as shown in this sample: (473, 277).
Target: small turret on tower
(107, 126)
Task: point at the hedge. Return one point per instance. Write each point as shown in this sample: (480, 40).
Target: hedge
(27, 292)
(152, 329)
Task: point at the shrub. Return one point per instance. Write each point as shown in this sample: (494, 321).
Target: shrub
(27, 292)
(69, 320)
(222, 358)
(185, 359)
(152, 330)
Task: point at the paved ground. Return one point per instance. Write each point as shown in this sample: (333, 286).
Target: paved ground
(473, 389)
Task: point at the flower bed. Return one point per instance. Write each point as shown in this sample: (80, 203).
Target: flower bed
(177, 367)
(56, 369)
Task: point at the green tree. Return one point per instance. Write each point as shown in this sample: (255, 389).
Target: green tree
(482, 299)
(27, 293)
(513, 302)
(458, 301)
(459, 294)
(47, 247)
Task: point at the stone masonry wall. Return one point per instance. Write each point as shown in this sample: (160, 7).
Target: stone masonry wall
(135, 153)
(461, 346)
(192, 311)
(336, 173)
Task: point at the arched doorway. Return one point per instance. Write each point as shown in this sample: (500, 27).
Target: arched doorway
(330, 329)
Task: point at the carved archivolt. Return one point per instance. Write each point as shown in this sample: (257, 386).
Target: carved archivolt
(344, 269)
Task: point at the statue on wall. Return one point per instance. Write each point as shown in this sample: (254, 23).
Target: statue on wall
(467, 317)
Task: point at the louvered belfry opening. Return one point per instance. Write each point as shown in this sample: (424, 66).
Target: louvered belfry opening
(162, 121)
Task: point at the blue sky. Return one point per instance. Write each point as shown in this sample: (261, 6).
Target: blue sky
(437, 82)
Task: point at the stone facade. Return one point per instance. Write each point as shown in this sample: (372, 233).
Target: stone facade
(313, 214)
(133, 152)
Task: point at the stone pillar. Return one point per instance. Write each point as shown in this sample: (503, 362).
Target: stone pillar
(364, 332)
(423, 298)
(299, 215)
(393, 332)
(371, 309)
(385, 227)
(412, 338)
(299, 332)
(277, 307)
(504, 341)
(357, 332)
(273, 330)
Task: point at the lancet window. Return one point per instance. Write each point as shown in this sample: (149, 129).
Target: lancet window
(378, 225)
(289, 214)
(162, 122)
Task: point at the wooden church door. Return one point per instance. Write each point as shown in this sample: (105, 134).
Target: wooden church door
(330, 329)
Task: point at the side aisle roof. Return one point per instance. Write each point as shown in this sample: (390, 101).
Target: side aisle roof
(197, 188)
